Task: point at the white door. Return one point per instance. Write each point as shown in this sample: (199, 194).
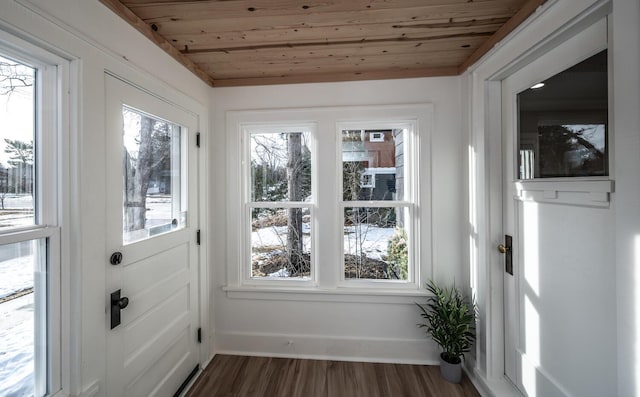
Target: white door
(556, 209)
(151, 231)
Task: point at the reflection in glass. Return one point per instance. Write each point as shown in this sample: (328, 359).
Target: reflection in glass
(563, 126)
(375, 243)
(571, 150)
(372, 164)
(280, 243)
(17, 136)
(154, 199)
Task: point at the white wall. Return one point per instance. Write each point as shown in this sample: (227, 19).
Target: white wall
(95, 40)
(580, 331)
(350, 327)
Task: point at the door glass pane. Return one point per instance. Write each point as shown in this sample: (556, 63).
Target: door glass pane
(563, 123)
(373, 164)
(376, 243)
(23, 318)
(17, 115)
(154, 191)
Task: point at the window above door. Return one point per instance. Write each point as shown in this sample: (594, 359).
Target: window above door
(563, 123)
(557, 122)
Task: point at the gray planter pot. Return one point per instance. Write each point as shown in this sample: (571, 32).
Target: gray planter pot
(450, 372)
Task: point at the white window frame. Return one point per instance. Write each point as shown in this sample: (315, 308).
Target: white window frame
(376, 136)
(51, 207)
(328, 284)
(367, 179)
(409, 201)
(269, 128)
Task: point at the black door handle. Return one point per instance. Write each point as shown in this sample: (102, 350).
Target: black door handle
(123, 302)
(115, 258)
(507, 250)
(117, 303)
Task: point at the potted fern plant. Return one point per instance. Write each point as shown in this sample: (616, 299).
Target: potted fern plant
(450, 320)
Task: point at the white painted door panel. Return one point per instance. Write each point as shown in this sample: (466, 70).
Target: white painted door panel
(553, 346)
(154, 349)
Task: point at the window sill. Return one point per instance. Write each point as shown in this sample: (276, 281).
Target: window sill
(581, 192)
(350, 295)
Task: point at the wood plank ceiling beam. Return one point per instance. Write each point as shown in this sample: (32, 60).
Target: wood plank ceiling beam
(123, 12)
(258, 42)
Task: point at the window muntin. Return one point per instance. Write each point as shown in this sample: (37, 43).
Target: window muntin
(376, 205)
(279, 203)
(154, 176)
(563, 123)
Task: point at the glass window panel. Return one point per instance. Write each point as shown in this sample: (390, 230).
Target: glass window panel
(563, 123)
(372, 164)
(17, 136)
(281, 243)
(154, 200)
(280, 167)
(23, 283)
(375, 243)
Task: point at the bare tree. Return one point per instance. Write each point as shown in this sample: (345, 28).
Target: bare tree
(14, 76)
(153, 150)
(294, 221)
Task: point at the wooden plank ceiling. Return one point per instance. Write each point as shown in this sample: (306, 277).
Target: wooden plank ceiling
(257, 42)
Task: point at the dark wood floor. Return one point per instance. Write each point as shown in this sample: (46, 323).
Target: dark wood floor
(242, 376)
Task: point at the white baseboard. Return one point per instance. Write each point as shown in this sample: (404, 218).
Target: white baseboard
(492, 388)
(383, 350)
(478, 382)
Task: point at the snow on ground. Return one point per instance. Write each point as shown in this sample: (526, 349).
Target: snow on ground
(369, 239)
(15, 274)
(16, 322)
(374, 239)
(277, 236)
(16, 347)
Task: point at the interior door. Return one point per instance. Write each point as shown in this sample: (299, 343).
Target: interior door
(152, 288)
(555, 234)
